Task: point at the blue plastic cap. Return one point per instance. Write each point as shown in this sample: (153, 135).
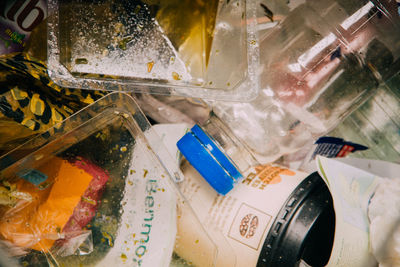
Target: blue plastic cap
(209, 160)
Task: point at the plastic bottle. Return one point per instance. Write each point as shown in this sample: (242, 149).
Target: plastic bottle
(319, 64)
(273, 217)
(375, 125)
(214, 150)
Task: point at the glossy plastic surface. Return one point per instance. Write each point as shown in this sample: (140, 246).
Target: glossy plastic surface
(203, 49)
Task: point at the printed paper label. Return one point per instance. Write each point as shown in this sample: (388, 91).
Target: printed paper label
(249, 226)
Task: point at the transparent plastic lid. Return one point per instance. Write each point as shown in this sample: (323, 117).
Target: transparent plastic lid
(205, 49)
(92, 192)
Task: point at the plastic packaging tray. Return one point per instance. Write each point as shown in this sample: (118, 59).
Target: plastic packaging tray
(131, 220)
(206, 49)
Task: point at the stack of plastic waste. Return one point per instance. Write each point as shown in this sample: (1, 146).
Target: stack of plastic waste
(249, 98)
(320, 68)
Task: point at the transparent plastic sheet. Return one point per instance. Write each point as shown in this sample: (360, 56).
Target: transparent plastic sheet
(121, 206)
(206, 49)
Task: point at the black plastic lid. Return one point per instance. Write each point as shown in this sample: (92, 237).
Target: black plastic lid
(304, 228)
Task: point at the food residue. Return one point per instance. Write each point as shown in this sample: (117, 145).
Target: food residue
(89, 200)
(108, 237)
(9, 195)
(175, 76)
(150, 66)
(81, 61)
(38, 157)
(123, 256)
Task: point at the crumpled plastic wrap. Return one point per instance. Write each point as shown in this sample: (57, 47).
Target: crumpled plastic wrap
(52, 209)
(384, 216)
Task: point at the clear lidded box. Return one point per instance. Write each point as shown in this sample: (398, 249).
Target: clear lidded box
(97, 191)
(205, 49)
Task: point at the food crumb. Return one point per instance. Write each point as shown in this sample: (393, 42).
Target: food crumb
(38, 157)
(109, 238)
(150, 66)
(81, 61)
(175, 76)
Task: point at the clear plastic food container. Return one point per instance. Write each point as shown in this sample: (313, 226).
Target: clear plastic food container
(94, 193)
(206, 49)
